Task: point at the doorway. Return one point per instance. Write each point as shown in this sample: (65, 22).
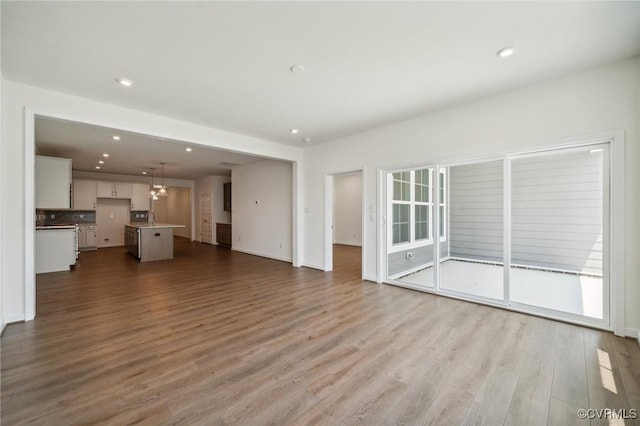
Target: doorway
(527, 231)
(344, 227)
(206, 218)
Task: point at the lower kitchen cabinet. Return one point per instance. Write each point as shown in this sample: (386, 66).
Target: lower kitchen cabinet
(55, 250)
(88, 237)
(223, 234)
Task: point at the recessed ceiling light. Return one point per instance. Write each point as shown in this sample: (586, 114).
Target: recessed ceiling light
(297, 69)
(124, 82)
(105, 155)
(188, 149)
(115, 137)
(307, 139)
(505, 52)
(294, 131)
(144, 173)
(98, 167)
(100, 162)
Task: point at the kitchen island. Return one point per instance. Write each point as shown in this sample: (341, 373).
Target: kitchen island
(149, 242)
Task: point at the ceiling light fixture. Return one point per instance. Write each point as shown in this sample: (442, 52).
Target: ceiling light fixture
(505, 52)
(105, 155)
(98, 167)
(100, 162)
(188, 149)
(153, 194)
(144, 173)
(162, 192)
(294, 131)
(297, 69)
(115, 137)
(124, 82)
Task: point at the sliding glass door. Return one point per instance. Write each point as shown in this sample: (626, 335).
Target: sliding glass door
(472, 225)
(558, 203)
(528, 231)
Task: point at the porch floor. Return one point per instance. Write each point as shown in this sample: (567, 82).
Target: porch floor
(564, 292)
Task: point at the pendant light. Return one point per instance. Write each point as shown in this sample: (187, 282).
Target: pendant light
(162, 192)
(153, 194)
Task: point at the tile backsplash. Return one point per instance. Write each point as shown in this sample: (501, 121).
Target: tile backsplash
(64, 217)
(139, 216)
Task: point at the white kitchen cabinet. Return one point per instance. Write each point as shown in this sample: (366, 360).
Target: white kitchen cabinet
(85, 193)
(55, 250)
(87, 237)
(53, 182)
(140, 196)
(114, 190)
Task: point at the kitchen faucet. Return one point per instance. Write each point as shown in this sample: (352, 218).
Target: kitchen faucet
(153, 218)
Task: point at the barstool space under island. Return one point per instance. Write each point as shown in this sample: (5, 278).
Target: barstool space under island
(149, 242)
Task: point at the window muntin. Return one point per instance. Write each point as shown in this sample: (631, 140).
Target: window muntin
(411, 207)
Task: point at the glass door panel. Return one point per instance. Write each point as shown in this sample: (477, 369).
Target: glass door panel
(410, 243)
(470, 226)
(557, 222)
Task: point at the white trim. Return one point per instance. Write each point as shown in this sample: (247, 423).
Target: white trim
(491, 303)
(313, 266)
(261, 254)
(614, 311)
(29, 189)
(347, 244)
(617, 232)
(29, 216)
(381, 225)
(328, 223)
(329, 186)
(11, 319)
(296, 214)
(370, 278)
(506, 226)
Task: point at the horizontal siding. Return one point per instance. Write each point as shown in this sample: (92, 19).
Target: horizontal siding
(475, 211)
(397, 263)
(557, 211)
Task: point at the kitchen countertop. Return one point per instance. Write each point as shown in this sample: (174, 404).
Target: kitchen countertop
(45, 227)
(157, 225)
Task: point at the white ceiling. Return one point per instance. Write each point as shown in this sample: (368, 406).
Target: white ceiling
(132, 154)
(226, 64)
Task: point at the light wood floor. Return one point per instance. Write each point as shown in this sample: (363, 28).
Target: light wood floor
(218, 337)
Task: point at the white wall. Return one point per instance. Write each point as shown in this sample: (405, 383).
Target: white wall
(175, 208)
(16, 97)
(347, 208)
(188, 232)
(262, 209)
(594, 101)
(2, 195)
(214, 186)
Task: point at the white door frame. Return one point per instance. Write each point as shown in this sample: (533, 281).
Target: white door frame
(616, 225)
(29, 193)
(328, 217)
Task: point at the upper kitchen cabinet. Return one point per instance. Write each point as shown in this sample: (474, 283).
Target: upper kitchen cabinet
(85, 193)
(53, 182)
(114, 190)
(139, 196)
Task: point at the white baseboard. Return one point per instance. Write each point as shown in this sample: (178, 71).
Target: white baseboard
(313, 266)
(370, 278)
(267, 255)
(348, 244)
(632, 332)
(13, 318)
